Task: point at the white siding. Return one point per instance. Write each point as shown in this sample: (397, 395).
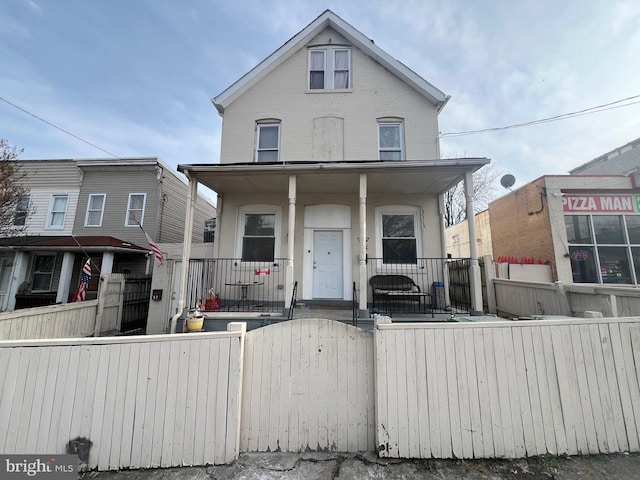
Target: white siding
(282, 95)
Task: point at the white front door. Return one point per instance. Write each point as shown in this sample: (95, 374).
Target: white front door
(327, 264)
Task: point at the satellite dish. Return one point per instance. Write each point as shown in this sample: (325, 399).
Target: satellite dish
(507, 181)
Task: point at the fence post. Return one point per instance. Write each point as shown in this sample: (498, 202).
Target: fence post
(489, 276)
(102, 292)
(121, 304)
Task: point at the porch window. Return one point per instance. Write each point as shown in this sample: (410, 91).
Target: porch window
(22, 211)
(95, 209)
(135, 209)
(268, 143)
(43, 266)
(390, 144)
(259, 238)
(399, 243)
(329, 68)
(57, 212)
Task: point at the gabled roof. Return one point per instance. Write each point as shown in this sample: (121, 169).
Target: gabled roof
(357, 39)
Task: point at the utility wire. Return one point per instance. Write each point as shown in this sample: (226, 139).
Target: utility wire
(586, 111)
(59, 128)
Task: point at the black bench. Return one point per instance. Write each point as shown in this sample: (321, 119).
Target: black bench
(393, 292)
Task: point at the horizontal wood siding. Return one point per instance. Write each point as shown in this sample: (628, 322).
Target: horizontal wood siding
(117, 182)
(508, 389)
(54, 321)
(140, 402)
(308, 385)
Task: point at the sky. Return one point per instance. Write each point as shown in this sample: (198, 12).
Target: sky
(136, 77)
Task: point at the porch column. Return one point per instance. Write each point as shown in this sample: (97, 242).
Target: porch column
(192, 195)
(107, 263)
(64, 282)
(474, 268)
(362, 255)
(291, 235)
(18, 276)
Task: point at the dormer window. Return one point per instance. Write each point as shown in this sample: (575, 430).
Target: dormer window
(329, 68)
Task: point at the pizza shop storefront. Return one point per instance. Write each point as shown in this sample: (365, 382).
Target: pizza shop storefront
(603, 237)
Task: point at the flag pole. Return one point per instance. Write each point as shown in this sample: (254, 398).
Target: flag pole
(87, 255)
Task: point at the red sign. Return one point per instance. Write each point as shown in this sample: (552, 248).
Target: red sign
(599, 203)
(579, 255)
(262, 271)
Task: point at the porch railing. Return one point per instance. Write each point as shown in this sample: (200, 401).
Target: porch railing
(418, 285)
(240, 286)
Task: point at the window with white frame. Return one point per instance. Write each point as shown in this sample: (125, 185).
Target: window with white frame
(258, 233)
(57, 212)
(398, 235)
(268, 142)
(329, 68)
(135, 209)
(390, 141)
(43, 267)
(95, 210)
(22, 211)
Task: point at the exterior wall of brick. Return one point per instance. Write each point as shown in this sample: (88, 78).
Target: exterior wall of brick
(283, 95)
(520, 225)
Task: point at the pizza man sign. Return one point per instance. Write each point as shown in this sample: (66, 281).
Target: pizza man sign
(601, 203)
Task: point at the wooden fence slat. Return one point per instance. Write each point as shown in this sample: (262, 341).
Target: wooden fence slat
(152, 380)
(583, 390)
(11, 359)
(118, 382)
(37, 415)
(21, 401)
(171, 405)
(551, 383)
(48, 394)
(424, 421)
(452, 392)
(412, 373)
(222, 406)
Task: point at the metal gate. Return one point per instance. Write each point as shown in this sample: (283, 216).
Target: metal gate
(135, 304)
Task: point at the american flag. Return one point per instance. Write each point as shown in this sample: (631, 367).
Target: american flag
(154, 248)
(83, 286)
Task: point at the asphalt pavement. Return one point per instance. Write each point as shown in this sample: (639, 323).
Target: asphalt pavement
(326, 466)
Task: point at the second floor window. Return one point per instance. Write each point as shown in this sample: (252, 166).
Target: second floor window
(329, 68)
(95, 209)
(57, 212)
(135, 209)
(22, 211)
(268, 142)
(390, 144)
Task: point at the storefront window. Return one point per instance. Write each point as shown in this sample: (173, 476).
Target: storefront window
(608, 229)
(633, 229)
(614, 265)
(577, 228)
(583, 264)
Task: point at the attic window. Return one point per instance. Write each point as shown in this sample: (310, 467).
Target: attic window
(329, 68)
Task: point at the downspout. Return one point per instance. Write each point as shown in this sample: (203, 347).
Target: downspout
(291, 231)
(186, 250)
(474, 268)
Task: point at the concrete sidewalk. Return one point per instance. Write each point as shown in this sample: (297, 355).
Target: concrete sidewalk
(325, 466)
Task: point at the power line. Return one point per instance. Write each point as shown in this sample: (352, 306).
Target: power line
(59, 128)
(586, 111)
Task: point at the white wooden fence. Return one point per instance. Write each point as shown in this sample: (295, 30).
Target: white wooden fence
(508, 389)
(69, 320)
(53, 321)
(443, 390)
(138, 402)
(308, 385)
(517, 298)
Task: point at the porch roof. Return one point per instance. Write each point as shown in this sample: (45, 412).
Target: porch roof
(96, 243)
(404, 177)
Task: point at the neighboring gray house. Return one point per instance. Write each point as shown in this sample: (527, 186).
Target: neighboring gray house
(624, 160)
(80, 208)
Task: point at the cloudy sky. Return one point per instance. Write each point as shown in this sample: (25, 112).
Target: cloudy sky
(135, 77)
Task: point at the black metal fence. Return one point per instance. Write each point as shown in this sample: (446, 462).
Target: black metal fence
(418, 285)
(135, 304)
(228, 284)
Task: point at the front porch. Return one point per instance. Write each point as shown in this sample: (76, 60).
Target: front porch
(422, 289)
